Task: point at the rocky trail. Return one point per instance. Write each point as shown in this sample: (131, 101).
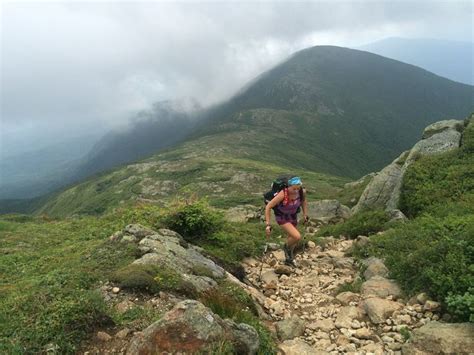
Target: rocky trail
(302, 306)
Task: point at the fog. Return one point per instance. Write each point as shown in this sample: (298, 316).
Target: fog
(77, 67)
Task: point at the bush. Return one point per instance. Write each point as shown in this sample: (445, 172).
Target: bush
(196, 220)
(462, 305)
(363, 223)
(431, 255)
(137, 277)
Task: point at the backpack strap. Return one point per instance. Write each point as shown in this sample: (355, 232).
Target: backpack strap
(286, 197)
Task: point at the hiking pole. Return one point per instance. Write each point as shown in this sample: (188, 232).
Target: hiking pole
(261, 262)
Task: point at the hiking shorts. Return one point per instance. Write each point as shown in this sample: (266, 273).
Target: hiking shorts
(287, 218)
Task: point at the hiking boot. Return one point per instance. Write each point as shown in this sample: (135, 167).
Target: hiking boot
(287, 251)
(290, 262)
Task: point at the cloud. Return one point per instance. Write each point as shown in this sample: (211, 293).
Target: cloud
(74, 64)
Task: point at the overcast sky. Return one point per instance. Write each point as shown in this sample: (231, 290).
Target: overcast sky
(67, 66)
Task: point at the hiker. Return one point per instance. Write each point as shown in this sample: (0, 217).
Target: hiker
(286, 205)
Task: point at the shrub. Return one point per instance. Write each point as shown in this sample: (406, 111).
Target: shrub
(462, 305)
(430, 254)
(196, 220)
(363, 223)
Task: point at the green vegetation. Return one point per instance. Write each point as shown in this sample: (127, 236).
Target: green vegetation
(434, 252)
(194, 220)
(50, 270)
(363, 223)
(230, 301)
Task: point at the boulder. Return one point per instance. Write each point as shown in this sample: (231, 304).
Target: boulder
(166, 249)
(298, 347)
(380, 287)
(290, 328)
(379, 309)
(347, 297)
(243, 213)
(191, 327)
(328, 211)
(348, 314)
(375, 267)
(325, 325)
(383, 192)
(269, 277)
(137, 230)
(441, 338)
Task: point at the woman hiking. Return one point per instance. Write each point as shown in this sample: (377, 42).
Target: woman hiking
(286, 205)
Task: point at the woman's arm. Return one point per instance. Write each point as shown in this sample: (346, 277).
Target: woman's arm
(274, 202)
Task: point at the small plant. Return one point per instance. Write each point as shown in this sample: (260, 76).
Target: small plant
(405, 333)
(462, 306)
(353, 286)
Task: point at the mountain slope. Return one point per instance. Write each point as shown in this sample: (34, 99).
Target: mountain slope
(327, 109)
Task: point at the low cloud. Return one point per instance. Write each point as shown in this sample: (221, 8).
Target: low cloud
(81, 64)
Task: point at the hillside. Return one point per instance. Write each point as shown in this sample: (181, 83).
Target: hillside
(331, 110)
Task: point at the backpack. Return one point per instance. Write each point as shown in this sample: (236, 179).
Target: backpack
(280, 183)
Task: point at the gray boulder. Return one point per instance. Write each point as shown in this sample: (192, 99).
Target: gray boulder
(375, 267)
(290, 328)
(381, 287)
(190, 327)
(243, 214)
(441, 338)
(379, 309)
(298, 347)
(328, 211)
(383, 192)
(166, 249)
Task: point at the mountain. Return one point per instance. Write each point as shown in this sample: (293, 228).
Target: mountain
(33, 173)
(331, 110)
(450, 59)
(166, 123)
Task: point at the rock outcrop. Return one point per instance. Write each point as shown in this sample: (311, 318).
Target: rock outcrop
(383, 192)
(191, 327)
(328, 211)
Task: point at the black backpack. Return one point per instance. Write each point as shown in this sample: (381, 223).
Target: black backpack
(279, 184)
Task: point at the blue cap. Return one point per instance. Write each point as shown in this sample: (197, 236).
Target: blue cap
(294, 181)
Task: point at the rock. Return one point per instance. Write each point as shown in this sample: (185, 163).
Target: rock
(440, 126)
(116, 236)
(290, 328)
(343, 263)
(129, 239)
(431, 306)
(137, 230)
(380, 287)
(283, 270)
(242, 214)
(103, 336)
(298, 347)
(199, 283)
(311, 245)
(397, 216)
(361, 241)
(363, 333)
(116, 290)
(379, 309)
(269, 277)
(122, 334)
(252, 262)
(441, 338)
(375, 267)
(422, 298)
(347, 297)
(347, 314)
(191, 327)
(325, 325)
(166, 249)
(279, 255)
(124, 306)
(328, 211)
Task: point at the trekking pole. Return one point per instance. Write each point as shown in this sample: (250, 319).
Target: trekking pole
(261, 262)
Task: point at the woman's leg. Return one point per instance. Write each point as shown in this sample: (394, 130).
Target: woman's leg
(293, 234)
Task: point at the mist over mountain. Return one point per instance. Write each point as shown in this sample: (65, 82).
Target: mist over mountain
(166, 123)
(330, 110)
(450, 59)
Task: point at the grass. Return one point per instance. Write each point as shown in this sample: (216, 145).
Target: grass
(50, 270)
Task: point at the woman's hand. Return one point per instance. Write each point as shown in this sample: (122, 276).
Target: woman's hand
(305, 219)
(268, 231)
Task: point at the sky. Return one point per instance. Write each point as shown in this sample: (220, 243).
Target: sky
(69, 68)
